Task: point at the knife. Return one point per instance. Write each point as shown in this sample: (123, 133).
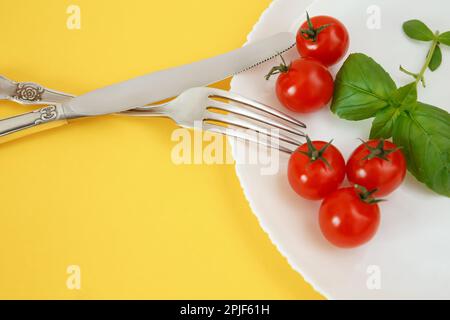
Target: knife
(149, 88)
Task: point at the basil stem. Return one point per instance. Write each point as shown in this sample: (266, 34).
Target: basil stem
(420, 75)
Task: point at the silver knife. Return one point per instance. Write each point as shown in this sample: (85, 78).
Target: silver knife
(149, 88)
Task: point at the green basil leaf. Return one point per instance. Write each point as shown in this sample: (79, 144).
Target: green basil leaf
(362, 88)
(424, 135)
(445, 38)
(383, 124)
(418, 30)
(436, 59)
(405, 97)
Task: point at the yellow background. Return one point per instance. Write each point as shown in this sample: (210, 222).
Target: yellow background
(103, 193)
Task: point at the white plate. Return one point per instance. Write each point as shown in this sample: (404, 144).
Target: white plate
(411, 251)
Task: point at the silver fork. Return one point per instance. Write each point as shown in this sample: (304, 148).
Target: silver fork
(197, 104)
(202, 105)
(30, 93)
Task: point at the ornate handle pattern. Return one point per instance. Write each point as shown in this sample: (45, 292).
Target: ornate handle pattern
(30, 93)
(27, 92)
(37, 118)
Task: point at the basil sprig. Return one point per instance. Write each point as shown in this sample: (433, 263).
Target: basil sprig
(417, 30)
(363, 89)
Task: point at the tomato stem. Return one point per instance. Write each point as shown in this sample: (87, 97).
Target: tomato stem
(367, 195)
(282, 68)
(315, 154)
(379, 151)
(312, 33)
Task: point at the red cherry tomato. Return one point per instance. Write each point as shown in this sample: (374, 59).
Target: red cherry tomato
(323, 38)
(316, 169)
(377, 164)
(304, 86)
(347, 219)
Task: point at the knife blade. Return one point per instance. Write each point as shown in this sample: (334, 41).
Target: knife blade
(168, 83)
(146, 89)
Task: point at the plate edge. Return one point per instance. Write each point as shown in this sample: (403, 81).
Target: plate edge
(293, 265)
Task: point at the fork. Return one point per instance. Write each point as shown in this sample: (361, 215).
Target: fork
(206, 105)
(30, 93)
(197, 104)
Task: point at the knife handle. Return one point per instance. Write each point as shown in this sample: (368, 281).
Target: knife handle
(28, 123)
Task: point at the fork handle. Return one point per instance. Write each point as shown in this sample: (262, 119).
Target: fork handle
(28, 123)
(30, 93)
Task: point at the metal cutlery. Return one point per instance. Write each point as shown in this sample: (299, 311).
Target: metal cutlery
(244, 118)
(215, 110)
(30, 93)
(155, 87)
(161, 85)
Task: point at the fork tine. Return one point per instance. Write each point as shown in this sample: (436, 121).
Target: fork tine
(244, 136)
(256, 105)
(255, 116)
(247, 125)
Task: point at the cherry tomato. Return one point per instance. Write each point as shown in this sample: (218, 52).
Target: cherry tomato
(316, 169)
(304, 86)
(323, 38)
(377, 164)
(349, 218)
